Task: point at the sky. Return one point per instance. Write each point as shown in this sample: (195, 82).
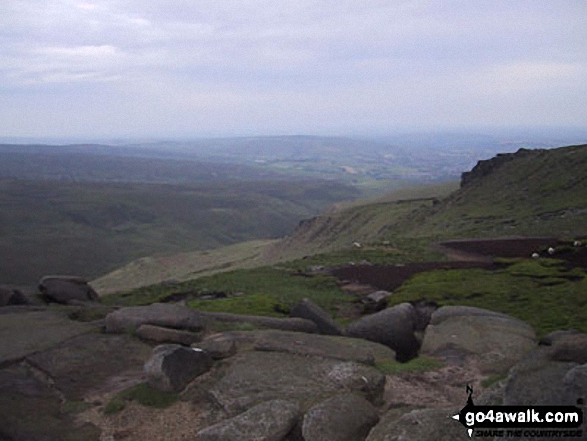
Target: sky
(181, 68)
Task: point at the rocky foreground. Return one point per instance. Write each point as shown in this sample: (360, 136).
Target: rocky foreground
(299, 378)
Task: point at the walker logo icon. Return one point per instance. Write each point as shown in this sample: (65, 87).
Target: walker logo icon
(517, 421)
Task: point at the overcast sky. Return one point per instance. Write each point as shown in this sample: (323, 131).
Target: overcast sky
(134, 68)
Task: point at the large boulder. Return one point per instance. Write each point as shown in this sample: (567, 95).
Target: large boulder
(168, 315)
(346, 417)
(269, 421)
(310, 311)
(326, 346)
(570, 347)
(172, 367)
(9, 296)
(418, 425)
(393, 327)
(67, 289)
(255, 377)
(160, 334)
(496, 340)
(218, 346)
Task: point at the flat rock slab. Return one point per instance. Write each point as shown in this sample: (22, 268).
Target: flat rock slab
(326, 346)
(26, 330)
(294, 324)
(86, 362)
(128, 319)
(160, 334)
(32, 410)
(497, 340)
(269, 421)
(255, 377)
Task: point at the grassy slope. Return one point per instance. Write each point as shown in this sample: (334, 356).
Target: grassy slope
(90, 228)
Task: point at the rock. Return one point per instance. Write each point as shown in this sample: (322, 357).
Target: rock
(575, 383)
(25, 330)
(310, 311)
(417, 425)
(570, 347)
(346, 417)
(218, 347)
(64, 289)
(326, 346)
(269, 421)
(538, 380)
(375, 302)
(393, 327)
(32, 410)
(9, 296)
(549, 339)
(88, 362)
(167, 335)
(255, 377)
(172, 367)
(496, 340)
(167, 315)
(285, 324)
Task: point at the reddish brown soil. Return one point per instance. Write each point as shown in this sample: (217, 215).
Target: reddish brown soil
(475, 253)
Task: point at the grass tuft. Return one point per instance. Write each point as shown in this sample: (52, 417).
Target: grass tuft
(143, 394)
(416, 365)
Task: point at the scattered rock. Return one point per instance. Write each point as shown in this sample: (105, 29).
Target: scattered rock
(346, 417)
(549, 339)
(255, 377)
(393, 327)
(9, 296)
(285, 324)
(310, 311)
(497, 340)
(326, 346)
(269, 421)
(575, 383)
(375, 302)
(167, 335)
(570, 347)
(65, 289)
(171, 367)
(167, 315)
(417, 425)
(218, 346)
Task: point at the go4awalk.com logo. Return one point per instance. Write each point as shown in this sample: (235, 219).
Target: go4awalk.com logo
(560, 422)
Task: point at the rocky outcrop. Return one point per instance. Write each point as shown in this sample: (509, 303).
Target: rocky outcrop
(128, 319)
(346, 417)
(393, 327)
(171, 367)
(160, 334)
(285, 324)
(256, 377)
(67, 289)
(310, 311)
(269, 421)
(325, 346)
(496, 340)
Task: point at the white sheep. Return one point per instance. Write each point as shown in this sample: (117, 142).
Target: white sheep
(551, 251)
(577, 243)
(535, 255)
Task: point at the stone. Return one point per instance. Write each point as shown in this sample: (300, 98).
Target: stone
(64, 289)
(255, 377)
(285, 324)
(570, 347)
(393, 327)
(172, 367)
(167, 315)
(9, 296)
(418, 425)
(326, 346)
(167, 335)
(375, 302)
(268, 421)
(218, 346)
(549, 339)
(496, 340)
(575, 384)
(346, 417)
(88, 362)
(310, 311)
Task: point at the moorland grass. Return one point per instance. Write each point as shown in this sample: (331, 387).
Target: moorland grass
(518, 290)
(143, 394)
(422, 363)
